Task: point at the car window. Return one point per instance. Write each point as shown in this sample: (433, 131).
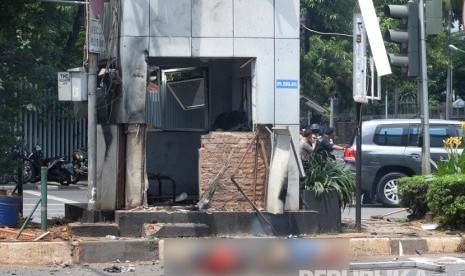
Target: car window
(413, 135)
(438, 133)
(457, 132)
(390, 135)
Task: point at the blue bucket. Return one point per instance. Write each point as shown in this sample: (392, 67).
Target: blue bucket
(9, 210)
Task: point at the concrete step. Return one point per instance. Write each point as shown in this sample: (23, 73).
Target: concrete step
(93, 229)
(175, 230)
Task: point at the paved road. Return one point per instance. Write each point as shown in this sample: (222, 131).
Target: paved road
(59, 195)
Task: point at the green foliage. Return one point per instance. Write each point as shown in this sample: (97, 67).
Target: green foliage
(33, 35)
(446, 199)
(455, 162)
(326, 68)
(412, 194)
(324, 174)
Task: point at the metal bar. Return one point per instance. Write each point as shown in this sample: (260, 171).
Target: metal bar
(43, 196)
(267, 167)
(255, 169)
(28, 218)
(269, 226)
(214, 183)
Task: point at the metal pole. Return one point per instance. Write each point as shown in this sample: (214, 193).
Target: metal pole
(92, 115)
(43, 197)
(449, 69)
(425, 158)
(358, 154)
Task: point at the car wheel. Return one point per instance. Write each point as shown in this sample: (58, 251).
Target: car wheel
(387, 189)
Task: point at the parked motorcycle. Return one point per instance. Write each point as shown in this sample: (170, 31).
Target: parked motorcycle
(79, 160)
(21, 154)
(59, 170)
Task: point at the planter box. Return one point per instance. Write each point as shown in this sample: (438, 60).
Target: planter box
(328, 208)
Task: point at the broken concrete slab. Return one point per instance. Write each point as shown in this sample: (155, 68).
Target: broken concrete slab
(174, 230)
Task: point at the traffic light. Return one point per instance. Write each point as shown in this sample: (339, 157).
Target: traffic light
(407, 36)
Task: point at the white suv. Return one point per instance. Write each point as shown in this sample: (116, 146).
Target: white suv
(391, 149)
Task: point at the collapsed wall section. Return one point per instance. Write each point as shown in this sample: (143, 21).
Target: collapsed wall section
(247, 165)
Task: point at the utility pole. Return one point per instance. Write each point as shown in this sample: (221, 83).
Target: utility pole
(425, 158)
(95, 8)
(359, 94)
(449, 68)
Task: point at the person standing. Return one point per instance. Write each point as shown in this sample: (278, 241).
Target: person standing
(325, 145)
(307, 145)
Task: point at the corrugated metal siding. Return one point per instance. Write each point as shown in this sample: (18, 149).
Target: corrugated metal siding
(177, 118)
(154, 109)
(56, 134)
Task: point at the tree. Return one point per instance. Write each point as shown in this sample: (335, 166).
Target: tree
(326, 66)
(32, 38)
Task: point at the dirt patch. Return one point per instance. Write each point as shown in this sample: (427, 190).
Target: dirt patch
(57, 230)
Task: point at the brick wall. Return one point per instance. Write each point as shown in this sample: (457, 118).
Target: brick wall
(214, 151)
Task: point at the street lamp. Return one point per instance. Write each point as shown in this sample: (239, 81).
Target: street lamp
(452, 47)
(450, 90)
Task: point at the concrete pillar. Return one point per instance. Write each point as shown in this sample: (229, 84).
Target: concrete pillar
(136, 182)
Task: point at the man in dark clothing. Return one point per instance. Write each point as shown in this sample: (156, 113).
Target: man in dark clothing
(325, 145)
(315, 129)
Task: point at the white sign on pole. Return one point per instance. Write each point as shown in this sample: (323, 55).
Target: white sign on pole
(374, 36)
(96, 40)
(64, 86)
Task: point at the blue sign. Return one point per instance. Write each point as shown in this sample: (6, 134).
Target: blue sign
(287, 84)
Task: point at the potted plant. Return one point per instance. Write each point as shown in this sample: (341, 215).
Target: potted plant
(327, 187)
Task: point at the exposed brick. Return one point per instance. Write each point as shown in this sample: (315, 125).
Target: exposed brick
(216, 147)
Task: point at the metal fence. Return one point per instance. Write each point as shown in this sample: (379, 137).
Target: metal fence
(57, 134)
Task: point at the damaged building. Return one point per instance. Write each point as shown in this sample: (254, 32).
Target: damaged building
(202, 106)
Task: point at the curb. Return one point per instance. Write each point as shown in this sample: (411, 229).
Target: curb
(401, 246)
(140, 249)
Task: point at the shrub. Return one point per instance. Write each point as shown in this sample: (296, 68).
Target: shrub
(412, 194)
(446, 199)
(324, 174)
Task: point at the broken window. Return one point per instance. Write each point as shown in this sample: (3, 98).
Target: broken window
(180, 103)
